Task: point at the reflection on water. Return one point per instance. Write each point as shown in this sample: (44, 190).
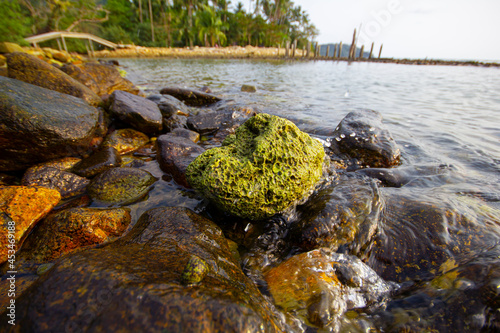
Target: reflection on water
(436, 215)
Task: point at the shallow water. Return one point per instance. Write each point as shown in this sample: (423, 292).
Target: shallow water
(445, 120)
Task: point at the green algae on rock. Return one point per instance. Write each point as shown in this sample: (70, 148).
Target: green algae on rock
(120, 186)
(261, 170)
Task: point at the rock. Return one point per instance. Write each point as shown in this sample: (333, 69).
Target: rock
(134, 284)
(36, 122)
(67, 183)
(103, 79)
(136, 111)
(169, 106)
(175, 154)
(101, 160)
(343, 215)
(174, 122)
(6, 47)
(72, 229)
(419, 235)
(186, 134)
(362, 136)
(64, 164)
(30, 69)
(248, 88)
(267, 166)
(191, 97)
(3, 62)
(4, 72)
(320, 286)
(207, 123)
(120, 186)
(21, 207)
(125, 140)
(61, 56)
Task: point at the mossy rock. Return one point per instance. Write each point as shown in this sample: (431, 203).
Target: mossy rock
(261, 170)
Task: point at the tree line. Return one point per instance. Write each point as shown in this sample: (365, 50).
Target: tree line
(161, 23)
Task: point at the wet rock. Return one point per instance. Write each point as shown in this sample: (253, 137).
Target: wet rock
(261, 170)
(174, 122)
(134, 284)
(36, 125)
(21, 207)
(169, 106)
(248, 88)
(362, 136)
(64, 164)
(6, 47)
(186, 134)
(30, 69)
(103, 79)
(3, 62)
(344, 215)
(120, 186)
(72, 229)
(175, 153)
(137, 111)
(67, 183)
(191, 97)
(207, 123)
(4, 71)
(125, 140)
(419, 235)
(101, 160)
(320, 286)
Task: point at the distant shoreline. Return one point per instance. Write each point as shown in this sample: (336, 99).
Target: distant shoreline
(251, 52)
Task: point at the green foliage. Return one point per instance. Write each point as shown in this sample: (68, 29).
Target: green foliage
(14, 22)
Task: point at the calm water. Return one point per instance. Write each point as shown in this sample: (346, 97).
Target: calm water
(445, 119)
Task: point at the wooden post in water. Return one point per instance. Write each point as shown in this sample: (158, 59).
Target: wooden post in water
(340, 50)
(361, 55)
(380, 52)
(371, 50)
(327, 51)
(335, 52)
(64, 44)
(352, 50)
(287, 49)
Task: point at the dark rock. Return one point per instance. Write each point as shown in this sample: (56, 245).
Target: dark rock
(21, 207)
(67, 183)
(72, 229)
(343, 215)
(101, 160)
(38, 125)
(120, 186)
(248, 88)
(186, 134)
(134, 284)
(125, 140)
(362, 136)
(169, 106)
(206, 89)
(103, 79)
(4, 71)
(174, 122)
(30, 69)
(208, 122)
(136, 111)
(191, 97)
(175, 154)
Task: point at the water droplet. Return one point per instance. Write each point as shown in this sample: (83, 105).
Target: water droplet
(337, 138)
(342, 136)
(352, 134)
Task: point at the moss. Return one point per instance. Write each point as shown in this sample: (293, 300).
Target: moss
(261, 170)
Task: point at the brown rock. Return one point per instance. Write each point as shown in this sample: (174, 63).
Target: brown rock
(125, 140)
(22, 207)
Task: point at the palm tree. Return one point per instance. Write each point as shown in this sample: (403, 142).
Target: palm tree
(210, 26)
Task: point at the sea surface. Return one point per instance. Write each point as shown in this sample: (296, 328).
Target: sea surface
(445, 119)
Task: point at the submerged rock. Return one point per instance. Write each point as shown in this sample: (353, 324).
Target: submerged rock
(120, 186)
(344, 215)
(320, 286)
(67, 183)
(362, 136)
(135, 284)
(71, 229)
(30, 69)
(40, 125)
(261, 170)
(21, 207)
(191, 97)
(101, 160)
(175, 154)
(125, 140)
(136, 111)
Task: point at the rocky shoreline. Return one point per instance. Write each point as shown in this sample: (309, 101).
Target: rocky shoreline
(292, 233)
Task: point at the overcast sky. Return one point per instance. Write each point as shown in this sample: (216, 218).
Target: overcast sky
(440, 29)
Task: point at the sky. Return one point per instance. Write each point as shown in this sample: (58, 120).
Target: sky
(418, 29)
